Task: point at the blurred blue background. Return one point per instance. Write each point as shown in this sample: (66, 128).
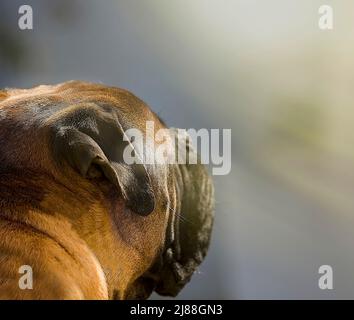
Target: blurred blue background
(263, 69)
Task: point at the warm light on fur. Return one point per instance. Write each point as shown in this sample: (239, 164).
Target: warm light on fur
(91, 227)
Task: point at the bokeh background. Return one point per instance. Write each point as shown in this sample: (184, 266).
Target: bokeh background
(263, 69)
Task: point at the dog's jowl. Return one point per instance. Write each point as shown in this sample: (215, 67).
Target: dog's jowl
(87, 224)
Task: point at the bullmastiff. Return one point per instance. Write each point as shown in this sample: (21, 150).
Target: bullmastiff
(87, 224)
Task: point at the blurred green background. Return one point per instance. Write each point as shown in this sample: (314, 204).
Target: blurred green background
(263, 69)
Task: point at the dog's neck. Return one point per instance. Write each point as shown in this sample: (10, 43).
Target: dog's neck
(110, 237)
(45, 204)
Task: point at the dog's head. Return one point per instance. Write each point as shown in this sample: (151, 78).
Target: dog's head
(148, 224)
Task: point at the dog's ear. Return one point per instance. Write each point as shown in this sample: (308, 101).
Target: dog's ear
(189, 229)
(91, 140)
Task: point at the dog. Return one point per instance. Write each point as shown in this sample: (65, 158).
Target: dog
(88, 225)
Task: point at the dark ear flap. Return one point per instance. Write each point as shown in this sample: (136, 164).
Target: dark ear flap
(189, 230)
(91, 141)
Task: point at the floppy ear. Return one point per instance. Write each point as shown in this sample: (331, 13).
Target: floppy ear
(189, 230)
(90, 140)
